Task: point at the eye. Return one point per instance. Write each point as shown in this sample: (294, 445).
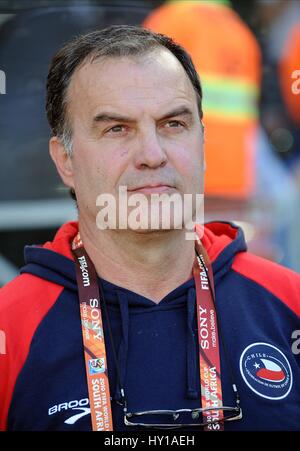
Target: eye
(116, 129)
(174, 127)
(174, 124)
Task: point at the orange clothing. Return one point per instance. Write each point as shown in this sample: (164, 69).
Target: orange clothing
(227, 59)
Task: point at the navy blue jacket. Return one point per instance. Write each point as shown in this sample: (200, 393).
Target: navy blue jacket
(42, 372)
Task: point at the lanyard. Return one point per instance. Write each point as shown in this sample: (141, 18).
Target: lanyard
(93, 339)
(210, 367)
(94, 342)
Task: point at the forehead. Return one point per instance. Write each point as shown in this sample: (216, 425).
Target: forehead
(151, 82)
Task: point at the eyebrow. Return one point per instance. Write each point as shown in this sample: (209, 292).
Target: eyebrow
(109, 117)
(180, 111)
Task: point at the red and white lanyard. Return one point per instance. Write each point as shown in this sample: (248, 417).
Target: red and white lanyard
(94, 342)
(93, 339)
(208, 337)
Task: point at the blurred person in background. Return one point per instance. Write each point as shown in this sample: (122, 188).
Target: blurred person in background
(278, 36)
(280, 105)
(123, 328)
(228, 57)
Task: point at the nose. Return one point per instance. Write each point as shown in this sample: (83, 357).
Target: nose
(149, 151)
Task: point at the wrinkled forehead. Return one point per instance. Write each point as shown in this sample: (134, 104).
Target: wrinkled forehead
(153, 80)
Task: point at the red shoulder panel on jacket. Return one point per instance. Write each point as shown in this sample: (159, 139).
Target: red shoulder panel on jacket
(280, 281)
(24, 302)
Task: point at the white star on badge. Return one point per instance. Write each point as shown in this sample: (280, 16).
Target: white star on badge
(256, 365)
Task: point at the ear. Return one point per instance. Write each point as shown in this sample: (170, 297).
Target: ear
(62, 161)
(203, 130)
(203, 146)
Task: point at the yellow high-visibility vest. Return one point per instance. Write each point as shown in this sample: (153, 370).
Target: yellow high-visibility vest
(228, 61)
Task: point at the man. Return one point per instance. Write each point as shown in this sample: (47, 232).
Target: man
(124, 105)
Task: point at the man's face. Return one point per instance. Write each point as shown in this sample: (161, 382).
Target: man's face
(135, 123)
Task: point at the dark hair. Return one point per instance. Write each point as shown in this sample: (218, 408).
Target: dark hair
(114, 41)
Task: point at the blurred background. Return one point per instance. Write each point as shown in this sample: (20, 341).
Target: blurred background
(248, 57)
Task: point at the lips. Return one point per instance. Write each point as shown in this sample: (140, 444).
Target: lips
(149, 189)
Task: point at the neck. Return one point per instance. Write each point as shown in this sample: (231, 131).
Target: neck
(151, 264)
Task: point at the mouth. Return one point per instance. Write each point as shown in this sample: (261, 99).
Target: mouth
(152, 189)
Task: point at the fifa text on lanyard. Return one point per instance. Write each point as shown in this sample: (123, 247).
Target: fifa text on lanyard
(95, 351)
